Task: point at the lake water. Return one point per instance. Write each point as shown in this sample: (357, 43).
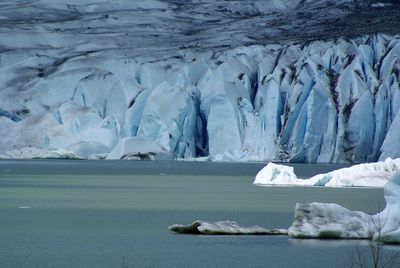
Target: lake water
(56, 213)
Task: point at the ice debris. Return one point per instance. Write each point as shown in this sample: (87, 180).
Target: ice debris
(322, 221)
(223, 228)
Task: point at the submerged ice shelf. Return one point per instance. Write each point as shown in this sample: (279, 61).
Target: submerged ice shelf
(89, 79)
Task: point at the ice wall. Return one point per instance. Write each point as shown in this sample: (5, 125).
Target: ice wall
(322, 101)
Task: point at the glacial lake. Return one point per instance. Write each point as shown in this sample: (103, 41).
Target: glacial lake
(66, 213)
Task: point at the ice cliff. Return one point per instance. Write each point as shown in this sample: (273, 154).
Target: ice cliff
(78, 87)
(314, 102)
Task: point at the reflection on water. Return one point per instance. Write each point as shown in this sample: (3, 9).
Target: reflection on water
(328, 242)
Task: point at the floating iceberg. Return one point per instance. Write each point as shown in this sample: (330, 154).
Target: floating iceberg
(362, 175)
(223, 228)
(320, 220)
(389, 219)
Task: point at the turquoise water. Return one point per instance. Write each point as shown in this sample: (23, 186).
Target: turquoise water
(115, 214)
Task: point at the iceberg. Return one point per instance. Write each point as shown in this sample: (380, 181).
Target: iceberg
(361, 175)
(321, 220)
(275, 174)
(388, 220)
(223, 228)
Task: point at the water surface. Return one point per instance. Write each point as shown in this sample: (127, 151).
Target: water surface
(111, 213)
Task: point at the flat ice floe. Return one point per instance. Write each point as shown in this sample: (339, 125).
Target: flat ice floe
(362, 175)
(223, 228)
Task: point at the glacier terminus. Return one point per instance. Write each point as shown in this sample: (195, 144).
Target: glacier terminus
(172, 80)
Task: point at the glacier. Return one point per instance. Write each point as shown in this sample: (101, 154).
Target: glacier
(362, 175)
(99, 80)
(323, 102)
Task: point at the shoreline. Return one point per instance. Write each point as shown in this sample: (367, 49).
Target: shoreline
(157, 167)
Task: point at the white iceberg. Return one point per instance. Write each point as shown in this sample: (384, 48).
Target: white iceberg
(389, 219)
(321, 220)
(361, 175)
(223, 228)
(275, 174)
